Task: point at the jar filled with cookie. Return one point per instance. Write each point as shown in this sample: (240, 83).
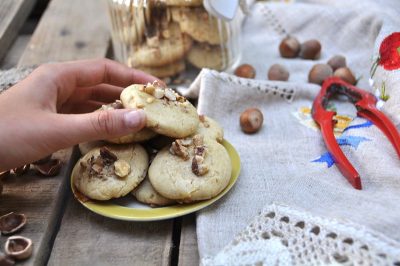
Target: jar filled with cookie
(168, 37)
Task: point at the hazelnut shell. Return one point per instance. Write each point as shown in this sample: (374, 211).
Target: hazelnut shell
(11, 223)
(18, 247)
(251, 120)
(310, 49)
(337, 61)
(278, 72)
(345, 74)
(6, 260)
(50, 168)
(319, 73)
(289, 47)
(245, 71)
(21, 170)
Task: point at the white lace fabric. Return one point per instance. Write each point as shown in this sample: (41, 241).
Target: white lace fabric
(280, 235)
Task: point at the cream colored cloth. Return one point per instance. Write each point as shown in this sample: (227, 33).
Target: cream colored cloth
(286, 161)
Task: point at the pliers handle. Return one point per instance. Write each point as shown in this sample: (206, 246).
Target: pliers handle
(365, 102)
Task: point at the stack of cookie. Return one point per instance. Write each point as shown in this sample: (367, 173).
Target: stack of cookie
(180, 158)
(161, 36)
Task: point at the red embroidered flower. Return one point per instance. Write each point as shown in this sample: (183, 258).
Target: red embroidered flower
(390, 52)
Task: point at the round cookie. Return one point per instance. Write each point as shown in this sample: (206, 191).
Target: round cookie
(184, 2)
(160, 51)
(201, 26)
(164, 71)
(167, 112)
(110, 171)
(178, 174)
(207, 56)
(145, 193)
(142, 135)
(209, 128)
(85, 147)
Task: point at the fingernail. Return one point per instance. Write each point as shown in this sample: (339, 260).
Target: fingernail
(134, 119)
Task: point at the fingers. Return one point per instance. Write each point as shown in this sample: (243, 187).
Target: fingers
(101, 93)
(81, 107)
(92, 72)
(102, 125)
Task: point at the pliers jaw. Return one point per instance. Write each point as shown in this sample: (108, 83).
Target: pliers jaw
(365, 103)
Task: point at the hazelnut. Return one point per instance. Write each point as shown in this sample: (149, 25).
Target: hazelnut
(21, 170)
(245, 71)
(319, 73)
(251, 120)
(345, 74)
(310, 49)
(337, 61)
(278, 72)
(51, 168)
(18, 247)
(11, 223)
(289, 47)
(122, 168)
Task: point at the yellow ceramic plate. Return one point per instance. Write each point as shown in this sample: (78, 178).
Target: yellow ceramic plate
(129, 209)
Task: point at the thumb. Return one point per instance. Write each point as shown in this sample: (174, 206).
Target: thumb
(105, 124)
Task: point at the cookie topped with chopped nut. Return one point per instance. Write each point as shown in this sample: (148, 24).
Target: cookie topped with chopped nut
(191, 169)
(167, 112)
(110, 171)
(210, 128)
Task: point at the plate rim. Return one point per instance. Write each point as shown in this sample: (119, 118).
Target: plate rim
(186, 208)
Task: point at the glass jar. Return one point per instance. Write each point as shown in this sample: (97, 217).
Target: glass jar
(165, 37)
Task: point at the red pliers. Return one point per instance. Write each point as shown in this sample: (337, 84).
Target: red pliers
(365, 103)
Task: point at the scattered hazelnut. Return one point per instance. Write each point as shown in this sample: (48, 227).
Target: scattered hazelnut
(345, 74)
(150, 100)
(245, 71)
(18, 247)
(6, 260)
(158, 93)
(337, 61)
(278, 72)
(319, 73)
(11, 223)
(289, 47)
(122, 168)
(310, 49)
(170, 95)
(51, 168)
(251, 120)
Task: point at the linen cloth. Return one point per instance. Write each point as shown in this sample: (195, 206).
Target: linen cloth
(287, 162)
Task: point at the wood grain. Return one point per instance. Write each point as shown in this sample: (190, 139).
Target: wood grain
(188, 251)
(69, 30)
(13, 14)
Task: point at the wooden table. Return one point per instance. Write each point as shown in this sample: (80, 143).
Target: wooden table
(63, 231)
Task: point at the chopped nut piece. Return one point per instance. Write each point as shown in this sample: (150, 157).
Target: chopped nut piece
(198, 168)
(166, 34)
(122, 168)
(150, 100)
(139, 105)
(186, 142)
(158, 93)
(202, 118)
(170, 95)
(149, 88)
(198, 140)
(179, 150)
(180, 98)
(200, 150)
(153, 42)
(97, 168)
(107, 156)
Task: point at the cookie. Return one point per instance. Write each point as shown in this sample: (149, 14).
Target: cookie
(85, 147)
(110, 171)
(184, 2)
(159, 51)
(167, 112)
(164, 71)
(191, 169)
(203, 55)
(209, 128)
(201, 26)
(145, 193)
(142, 135)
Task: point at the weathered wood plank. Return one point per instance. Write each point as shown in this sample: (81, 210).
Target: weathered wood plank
(11, 59)
(13, 14)
(188, 252)
(69, 30)
(86, 238)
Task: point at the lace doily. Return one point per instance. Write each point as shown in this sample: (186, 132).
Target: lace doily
(282, 236)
